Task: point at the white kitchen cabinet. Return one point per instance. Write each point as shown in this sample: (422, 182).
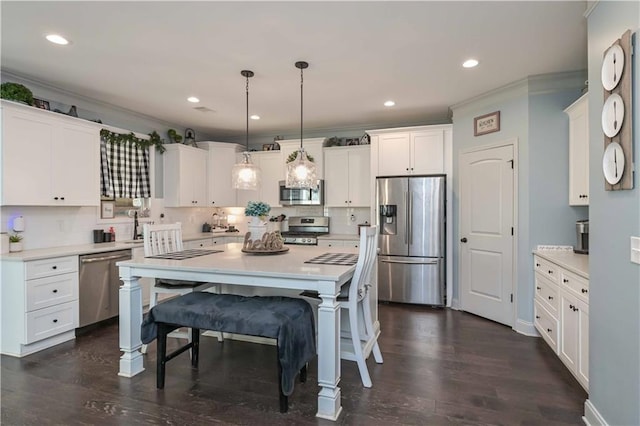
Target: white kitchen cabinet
(561, 309)
(39, 304)
(271, 166)
(578, 113)
(199, 243)
(185, 176)
(347, 178)
(338, 243)
(312, 146)
(410, 150)
(221, 158)
(48, 159)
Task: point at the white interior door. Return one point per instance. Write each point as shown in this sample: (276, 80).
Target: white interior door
(486, 233)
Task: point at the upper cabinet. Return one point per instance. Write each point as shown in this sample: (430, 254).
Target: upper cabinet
(271, 166)
(578, 113)
(410, 150)
(185, 176)
(48, 159)
(313, 148)
(221, 158)
(347, 178)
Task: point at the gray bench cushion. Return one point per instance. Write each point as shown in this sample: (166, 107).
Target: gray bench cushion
(286, 319)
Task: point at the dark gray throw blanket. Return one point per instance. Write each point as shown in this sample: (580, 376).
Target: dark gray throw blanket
(286, 319)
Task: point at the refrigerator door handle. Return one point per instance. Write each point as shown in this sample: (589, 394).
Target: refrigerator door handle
(407, 227)
(415, 262)
(410, 213)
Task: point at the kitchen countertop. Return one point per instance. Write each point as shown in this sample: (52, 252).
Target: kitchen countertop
(348, 237)
(576, 263)
(45, 253)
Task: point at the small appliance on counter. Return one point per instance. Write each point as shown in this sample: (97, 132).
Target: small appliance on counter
(582, 236)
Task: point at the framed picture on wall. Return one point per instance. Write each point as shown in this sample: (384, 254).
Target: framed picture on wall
(107, 209)
(487, 123)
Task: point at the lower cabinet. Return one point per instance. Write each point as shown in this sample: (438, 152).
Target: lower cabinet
(338, 243)
(561, 315)
(39, 304)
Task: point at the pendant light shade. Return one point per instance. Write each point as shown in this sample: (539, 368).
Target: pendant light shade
(301, 172)
(245, 174)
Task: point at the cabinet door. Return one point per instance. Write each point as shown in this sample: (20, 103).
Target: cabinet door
(221, 161)
(27, 141)
(394, 154)
(336, 189)
(579, 153)
(198, 171)
(569, 321)
(271, 165)
(185, 176)
(583, 344)
(359, 177)
(427, 152)
(78, 185)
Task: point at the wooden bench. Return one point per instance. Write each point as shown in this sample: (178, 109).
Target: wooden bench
(288, 320)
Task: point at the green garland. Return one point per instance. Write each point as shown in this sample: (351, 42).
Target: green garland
(294, 155)
(130, 138)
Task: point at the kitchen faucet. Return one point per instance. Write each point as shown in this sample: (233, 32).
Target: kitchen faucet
(135, 225)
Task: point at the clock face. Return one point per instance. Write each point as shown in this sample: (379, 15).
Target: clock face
(613, 163)
(612, 66)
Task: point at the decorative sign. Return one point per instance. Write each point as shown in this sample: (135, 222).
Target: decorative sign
(617, 159)
(108, 210)
(487, 123)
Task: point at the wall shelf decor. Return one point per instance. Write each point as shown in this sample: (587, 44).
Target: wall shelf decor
(617, 113)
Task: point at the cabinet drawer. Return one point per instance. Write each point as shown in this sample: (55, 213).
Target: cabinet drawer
(331, 243)
(50, 291)
(547, 325)
(547, 294)
(50, 321)
(576, 285)
(53, 266)
(547, 269)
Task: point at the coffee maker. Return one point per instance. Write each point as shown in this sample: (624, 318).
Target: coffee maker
(582, 236)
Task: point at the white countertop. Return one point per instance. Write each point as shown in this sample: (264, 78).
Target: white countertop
(347, 237)
(45, 253)
(576, 263)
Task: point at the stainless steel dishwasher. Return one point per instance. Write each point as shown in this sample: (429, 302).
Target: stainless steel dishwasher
(99, 285)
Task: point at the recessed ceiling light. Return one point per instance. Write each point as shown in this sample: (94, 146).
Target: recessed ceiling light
(193, 99)
(389, 103)
(255, 117)
(57, 39)
(470, 63)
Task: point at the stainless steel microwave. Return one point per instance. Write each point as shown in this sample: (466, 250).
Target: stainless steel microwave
(301, 196)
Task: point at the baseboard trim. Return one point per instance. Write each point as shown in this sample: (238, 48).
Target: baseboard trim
(455, 304)
(591, 415)
(527, 328)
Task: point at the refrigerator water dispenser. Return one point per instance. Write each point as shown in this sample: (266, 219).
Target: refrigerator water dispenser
(388, 219)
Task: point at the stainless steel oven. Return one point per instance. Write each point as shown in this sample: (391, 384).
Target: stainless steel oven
(301, 196)
(305, 230)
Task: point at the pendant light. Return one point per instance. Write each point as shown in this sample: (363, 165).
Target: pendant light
(246, 175)
(301, 172)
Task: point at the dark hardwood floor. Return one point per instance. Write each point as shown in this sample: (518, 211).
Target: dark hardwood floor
(440, 367)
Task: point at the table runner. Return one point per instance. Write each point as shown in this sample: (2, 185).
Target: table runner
(346, 259)
(184, 254)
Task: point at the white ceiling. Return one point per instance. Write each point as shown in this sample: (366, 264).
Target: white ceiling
(150, 56)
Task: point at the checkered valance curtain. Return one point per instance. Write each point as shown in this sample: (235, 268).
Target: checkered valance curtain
(124, 170)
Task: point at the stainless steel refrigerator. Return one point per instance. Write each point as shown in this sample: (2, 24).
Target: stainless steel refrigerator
(411, 260)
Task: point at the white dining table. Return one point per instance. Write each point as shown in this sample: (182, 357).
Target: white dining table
(232, 266)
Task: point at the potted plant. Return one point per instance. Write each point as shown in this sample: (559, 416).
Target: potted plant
(174, 136)
(294, 155)
(257, 211)
(15, 243)
(16, 92)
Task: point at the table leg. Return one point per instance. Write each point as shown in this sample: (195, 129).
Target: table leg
(329, 405)
(131, 361)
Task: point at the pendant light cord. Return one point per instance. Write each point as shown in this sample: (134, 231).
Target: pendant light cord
(247, 137)
(301, 103)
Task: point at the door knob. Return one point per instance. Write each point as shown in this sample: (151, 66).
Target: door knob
(463, 240)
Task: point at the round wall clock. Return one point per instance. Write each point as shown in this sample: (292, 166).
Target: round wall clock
(612, 67)
(613, 163)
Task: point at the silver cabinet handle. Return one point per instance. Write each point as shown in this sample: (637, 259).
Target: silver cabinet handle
(102, 259)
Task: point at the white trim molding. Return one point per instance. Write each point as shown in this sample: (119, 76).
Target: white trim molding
(526, 328)
(591, 415)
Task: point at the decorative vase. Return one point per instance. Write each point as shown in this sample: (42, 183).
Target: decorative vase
(14, 247)
(257, 228)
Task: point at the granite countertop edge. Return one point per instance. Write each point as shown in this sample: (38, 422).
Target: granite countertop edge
(80, 249)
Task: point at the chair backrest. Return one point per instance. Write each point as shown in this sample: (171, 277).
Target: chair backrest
(161, 239)
(361, 280)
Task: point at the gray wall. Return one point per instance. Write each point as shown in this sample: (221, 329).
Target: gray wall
(531, 111)
(614, 282)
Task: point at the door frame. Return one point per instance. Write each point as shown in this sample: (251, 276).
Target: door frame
(513, 142)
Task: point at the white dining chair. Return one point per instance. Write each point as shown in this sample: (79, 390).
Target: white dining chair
(162, 239)
(355, 302)
(357, 343)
